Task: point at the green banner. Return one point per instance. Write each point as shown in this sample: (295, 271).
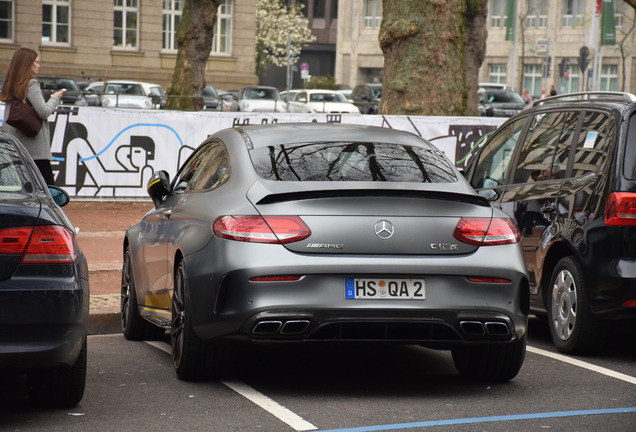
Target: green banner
(608, 30)
(510, 21)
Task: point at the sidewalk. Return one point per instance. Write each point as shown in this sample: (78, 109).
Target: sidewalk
(102, 225)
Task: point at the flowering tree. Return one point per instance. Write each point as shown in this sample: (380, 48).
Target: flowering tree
(274, 23)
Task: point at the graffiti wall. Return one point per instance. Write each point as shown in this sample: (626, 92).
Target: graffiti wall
(113, 152)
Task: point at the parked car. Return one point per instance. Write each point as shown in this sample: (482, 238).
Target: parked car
(499, 103)
(566, 171)
(321, 101)
(367, 97)
(44, 293)
(215, 101)
(346, 93)
(259, 99)
(289, 95)
(311, 232)
(125, 94)
(495, 86)
(73, 94)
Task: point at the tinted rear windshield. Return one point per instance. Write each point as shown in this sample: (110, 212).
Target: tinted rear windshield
(352, 161)
(629, 165)
(13, 173)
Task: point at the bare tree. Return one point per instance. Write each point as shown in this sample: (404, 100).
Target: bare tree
(432, 54)
(194, 39)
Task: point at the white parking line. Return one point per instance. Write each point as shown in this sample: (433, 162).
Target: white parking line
(269, 405)
(272, 407)
(582, 364)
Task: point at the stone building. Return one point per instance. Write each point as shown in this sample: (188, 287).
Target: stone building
(550, 36)
(125, 39)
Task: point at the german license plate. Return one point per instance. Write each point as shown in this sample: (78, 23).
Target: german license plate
(399, 289)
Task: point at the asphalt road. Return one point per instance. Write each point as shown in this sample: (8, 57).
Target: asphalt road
(132, 387)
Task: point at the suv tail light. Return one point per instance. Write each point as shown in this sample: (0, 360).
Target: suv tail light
(620, 209)
(39, 245)
(486, 231)
(261, 229)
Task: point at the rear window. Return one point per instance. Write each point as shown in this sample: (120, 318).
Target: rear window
(629, 166)
(352, 161)
(13, 173)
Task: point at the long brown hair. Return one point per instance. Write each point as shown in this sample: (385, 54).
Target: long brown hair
(20, 72)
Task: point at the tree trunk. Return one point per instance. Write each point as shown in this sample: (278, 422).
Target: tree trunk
(475, 52)
(426, 47)
(194, 38)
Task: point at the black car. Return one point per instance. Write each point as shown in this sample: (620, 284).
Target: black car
(73, 94)
(565, 169)
(44, 292)
(495, 102)
(367, 97)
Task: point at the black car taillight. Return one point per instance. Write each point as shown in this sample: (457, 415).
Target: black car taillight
(620, 209)
(261, 229)
(486, 231)
(39, 245)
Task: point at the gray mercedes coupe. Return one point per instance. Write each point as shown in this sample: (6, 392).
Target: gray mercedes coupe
(314, 233)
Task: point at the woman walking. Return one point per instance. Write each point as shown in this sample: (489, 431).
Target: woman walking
(20, 83)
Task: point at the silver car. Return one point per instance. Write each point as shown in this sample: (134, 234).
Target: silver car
(324, 233)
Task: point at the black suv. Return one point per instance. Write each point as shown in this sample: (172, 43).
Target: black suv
(367, 97)
(565, 169)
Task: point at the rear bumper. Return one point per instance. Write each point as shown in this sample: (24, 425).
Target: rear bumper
(314, 307)
(43, 326)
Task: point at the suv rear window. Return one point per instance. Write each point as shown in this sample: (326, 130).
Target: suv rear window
(352, 161)
(629, 166)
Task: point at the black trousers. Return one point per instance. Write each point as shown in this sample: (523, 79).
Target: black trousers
(44, 165)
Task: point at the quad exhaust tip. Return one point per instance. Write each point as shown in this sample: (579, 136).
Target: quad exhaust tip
(280, 327)
(479, 328)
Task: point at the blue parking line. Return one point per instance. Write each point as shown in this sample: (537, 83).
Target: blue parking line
(484, 420)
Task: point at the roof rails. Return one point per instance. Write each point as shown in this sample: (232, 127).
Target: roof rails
(620, 96)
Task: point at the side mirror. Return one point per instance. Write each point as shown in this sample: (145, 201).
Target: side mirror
(158, 187)
(59, 195)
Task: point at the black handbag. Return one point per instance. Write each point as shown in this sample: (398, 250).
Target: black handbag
(23, 118)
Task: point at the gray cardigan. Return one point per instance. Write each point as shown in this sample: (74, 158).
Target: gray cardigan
(39, 146)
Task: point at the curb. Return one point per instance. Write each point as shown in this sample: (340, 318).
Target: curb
(104, 314)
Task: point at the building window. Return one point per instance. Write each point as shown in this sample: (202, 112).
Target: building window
(573, 13)
(497, 73)
(56, 21)
(6, 20)
(172, 10)
(619, 13)
(498, 14)
(372, 13)
(319, 9)
(537, 16)
(571, 81)
(609, 78)
(334, 9)
(126, 27)
(532, 74)
(222, 42)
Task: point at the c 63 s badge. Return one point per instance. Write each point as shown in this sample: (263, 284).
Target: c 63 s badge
(444, 246)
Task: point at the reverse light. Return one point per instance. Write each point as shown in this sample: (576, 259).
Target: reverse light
(620, 209)
(261, 229)
(486, 231)
(40, 244)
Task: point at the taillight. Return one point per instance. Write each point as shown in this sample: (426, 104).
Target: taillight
(13, 241)
(40, 244)
(620, 209)
(261, 229)
(486, 231)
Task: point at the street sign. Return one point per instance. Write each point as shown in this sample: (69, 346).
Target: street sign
(304, 66)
